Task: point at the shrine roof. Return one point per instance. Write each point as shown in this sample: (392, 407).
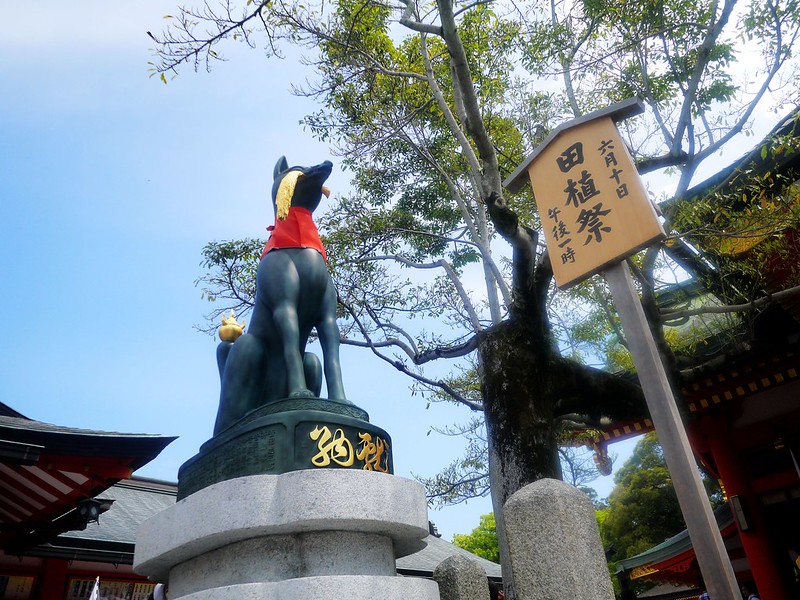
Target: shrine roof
(735, 377)
(113, 537)
(729, 175)
(672, 548)
(47, 471)
(423, 563)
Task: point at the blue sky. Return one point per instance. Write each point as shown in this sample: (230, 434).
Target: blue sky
(110, 185)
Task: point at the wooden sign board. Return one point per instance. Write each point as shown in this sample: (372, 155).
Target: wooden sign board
(595, 212)
(592, 203)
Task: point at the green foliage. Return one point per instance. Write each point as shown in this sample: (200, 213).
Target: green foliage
(230, 278)
(744, 228)
(416, 202)
(482, 541)
(389, 105)
(643, 508)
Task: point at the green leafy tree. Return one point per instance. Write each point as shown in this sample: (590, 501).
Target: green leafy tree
(482, 541)
(431, 105)
(642, 509)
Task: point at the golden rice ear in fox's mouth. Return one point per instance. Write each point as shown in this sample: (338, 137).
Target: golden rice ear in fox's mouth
(326, 191)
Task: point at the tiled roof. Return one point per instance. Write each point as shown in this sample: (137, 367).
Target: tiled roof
(135, 500)
(423, 563)
(47, 471)
(23, 424)
(674, 546)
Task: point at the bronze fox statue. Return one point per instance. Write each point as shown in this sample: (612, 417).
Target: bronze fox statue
(294, 294)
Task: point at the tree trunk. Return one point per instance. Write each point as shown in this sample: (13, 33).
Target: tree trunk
(525, 387)
(518, 398)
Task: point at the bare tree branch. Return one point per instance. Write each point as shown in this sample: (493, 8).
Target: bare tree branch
(400, 366)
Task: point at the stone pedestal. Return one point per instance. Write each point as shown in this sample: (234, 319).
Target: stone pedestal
(289, 435)
(326, 533)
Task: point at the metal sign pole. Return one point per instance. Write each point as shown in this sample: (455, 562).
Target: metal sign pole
(706, 539)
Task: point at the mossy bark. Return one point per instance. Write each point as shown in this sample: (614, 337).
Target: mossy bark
(519, 402)
(519, 416)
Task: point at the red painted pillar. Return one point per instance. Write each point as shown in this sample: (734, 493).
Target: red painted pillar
(761, 554)
(53, 579)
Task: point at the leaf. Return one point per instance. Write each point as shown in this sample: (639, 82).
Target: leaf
(164, 79)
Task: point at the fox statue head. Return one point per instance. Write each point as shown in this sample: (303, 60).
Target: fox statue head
(298, 186)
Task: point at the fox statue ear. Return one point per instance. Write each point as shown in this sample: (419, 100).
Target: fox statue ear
(280, 167)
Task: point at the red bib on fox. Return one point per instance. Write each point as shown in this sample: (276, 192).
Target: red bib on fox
(297, 230)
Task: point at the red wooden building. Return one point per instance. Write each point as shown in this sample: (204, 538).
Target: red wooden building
(68, 509)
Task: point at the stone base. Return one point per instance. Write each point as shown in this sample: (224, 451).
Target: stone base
(327, 588)
(326, 533)
(289, 435)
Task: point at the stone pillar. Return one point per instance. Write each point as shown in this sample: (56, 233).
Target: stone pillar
(460, 578)
(326, 533)
(554, 544)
